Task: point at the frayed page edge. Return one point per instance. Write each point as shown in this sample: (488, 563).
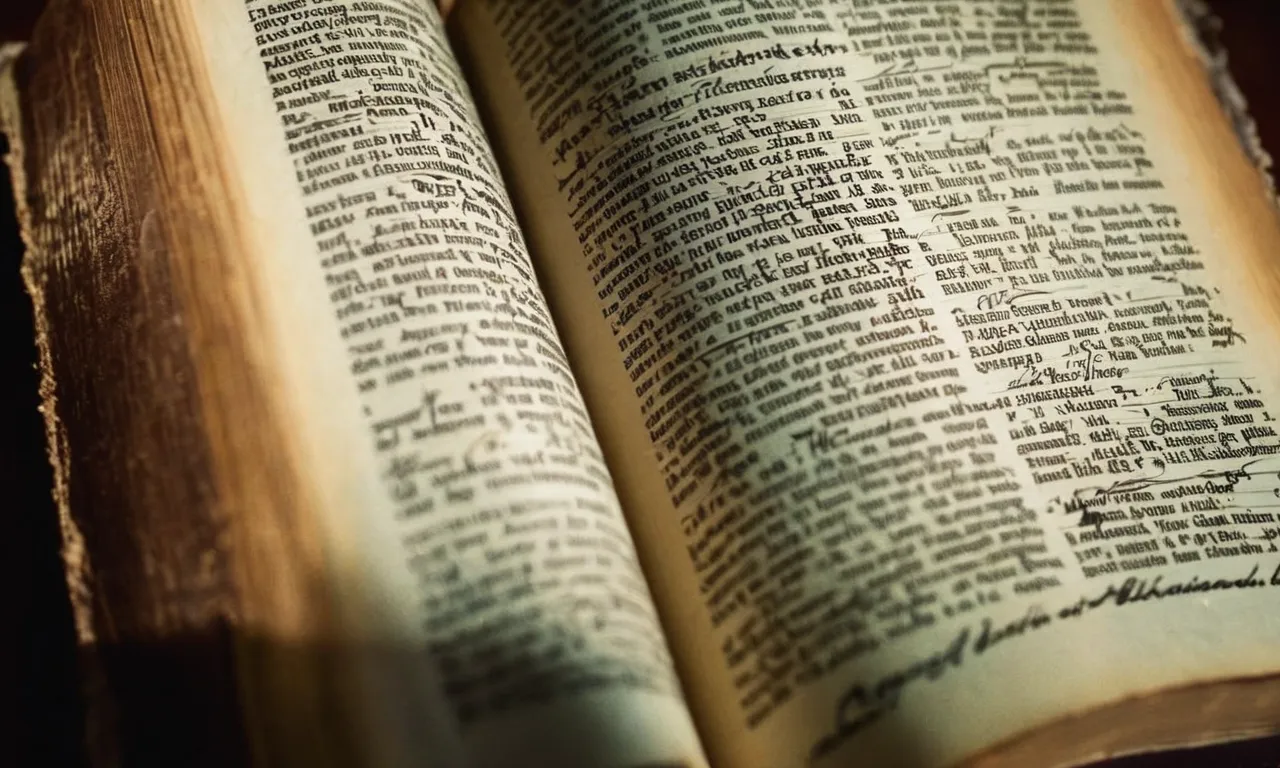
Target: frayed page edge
(1202, 30)
(75, 555)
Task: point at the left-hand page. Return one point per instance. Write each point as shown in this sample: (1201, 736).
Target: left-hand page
(385, 241)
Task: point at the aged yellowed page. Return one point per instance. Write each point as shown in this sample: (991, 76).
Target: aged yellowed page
(930, 345)
(471, 518)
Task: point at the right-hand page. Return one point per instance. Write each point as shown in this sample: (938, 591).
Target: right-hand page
(933, 345)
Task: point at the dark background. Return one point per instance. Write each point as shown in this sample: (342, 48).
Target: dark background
(37, 645)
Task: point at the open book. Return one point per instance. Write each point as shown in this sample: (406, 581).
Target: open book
(752, 383)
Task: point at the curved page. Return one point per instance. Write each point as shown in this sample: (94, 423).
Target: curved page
(473, 524)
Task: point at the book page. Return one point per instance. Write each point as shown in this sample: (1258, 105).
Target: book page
(486, 539)
(931, 347)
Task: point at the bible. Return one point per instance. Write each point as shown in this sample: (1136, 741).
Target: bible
(735, 383)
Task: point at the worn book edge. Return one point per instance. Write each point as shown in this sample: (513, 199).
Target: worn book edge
(1201, 30)
(74, 554)
(76, 563)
